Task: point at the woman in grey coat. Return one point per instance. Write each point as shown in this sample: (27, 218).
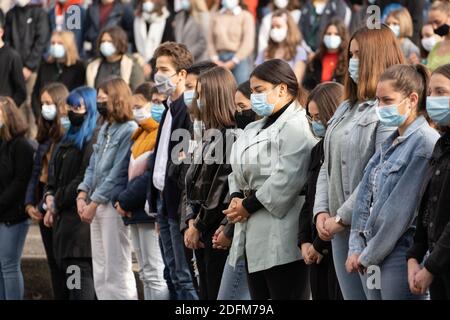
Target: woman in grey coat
(270, 166)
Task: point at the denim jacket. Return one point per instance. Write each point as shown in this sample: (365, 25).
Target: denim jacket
(364, 138)
(109, 153)
(388, 196)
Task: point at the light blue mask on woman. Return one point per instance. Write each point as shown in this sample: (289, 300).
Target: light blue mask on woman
(260, 105)
(157, 111)
(318, 129)
(188, 96)
(390, 117)
(353, 69)
(438, 109)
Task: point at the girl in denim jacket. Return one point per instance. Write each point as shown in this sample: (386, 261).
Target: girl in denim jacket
(110, 238)
(387, 199)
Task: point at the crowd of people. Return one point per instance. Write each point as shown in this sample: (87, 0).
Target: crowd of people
(238, 150)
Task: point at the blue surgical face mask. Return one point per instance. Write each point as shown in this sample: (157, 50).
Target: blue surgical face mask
(318, 129)
(353, 69)
(199, 104)
(260, 105)
(57, 51)
(48, 112)
(107, 49)
(438, 109)
(157, 111)
(188, 96)
(65, 122)
(390, 117)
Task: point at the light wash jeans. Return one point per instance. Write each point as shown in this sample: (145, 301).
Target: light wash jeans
(350, 283)
(111, 256)
(12, 240)
(234, 285)
(394, 275)
(151, 266)
(174, 256)
(241, 72)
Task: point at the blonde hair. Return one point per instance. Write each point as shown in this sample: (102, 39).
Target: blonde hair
(292, 41)
(405, 22)
(441, 5)
(69, 43)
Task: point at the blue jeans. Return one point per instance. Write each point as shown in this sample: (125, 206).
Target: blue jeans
(350, 283)
(394, 275)
(174, 257)
(241, 72)
(12, 240)
(234, 284)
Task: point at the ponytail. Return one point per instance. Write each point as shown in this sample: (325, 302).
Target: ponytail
(408, 79)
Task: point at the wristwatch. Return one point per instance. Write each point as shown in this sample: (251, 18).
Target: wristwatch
(339, 221)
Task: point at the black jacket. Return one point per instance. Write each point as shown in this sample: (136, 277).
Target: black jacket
(121, 15)
(35, 188)
(27, 30)
(12, 83)
(313, 75)
(71, 237)
(131, 195)
(173, 186)
(433, 222)
(72, 77)
(311, 27)
(307, 229)
(16, 163)
(207, 191)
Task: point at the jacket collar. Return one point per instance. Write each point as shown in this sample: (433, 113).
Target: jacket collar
(396, 139)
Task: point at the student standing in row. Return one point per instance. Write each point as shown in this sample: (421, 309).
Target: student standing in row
(353, 135)
(433, 223)
(16, 162)
(71, 236)
(269, 171)
(110, 238)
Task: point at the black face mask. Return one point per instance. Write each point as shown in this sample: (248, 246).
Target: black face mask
(442, 30)
(244, 118)
(102, 109)
(76, 119)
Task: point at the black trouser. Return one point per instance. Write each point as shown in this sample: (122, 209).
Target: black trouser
(55, 274)
(440, 287)
(86, 290)
(324, 282)
(284, 282)
(210, 264)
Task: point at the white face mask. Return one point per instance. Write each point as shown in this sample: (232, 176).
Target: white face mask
(22, 3)
(395, 29)
(230, 4)
(48, 112)
(428, 43)
(320, 7)
(281, 4)
(278, 34)
(143, 113)
(332, 41)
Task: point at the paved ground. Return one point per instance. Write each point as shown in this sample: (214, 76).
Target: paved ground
(35, 269)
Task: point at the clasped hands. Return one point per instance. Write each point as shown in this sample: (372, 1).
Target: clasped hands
(236, 211)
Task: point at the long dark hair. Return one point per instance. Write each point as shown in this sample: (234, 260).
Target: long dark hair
(52, 129)
(342, 50)
(277, 71)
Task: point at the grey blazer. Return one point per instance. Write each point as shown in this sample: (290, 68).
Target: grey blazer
(275, 163)
(191, 33)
